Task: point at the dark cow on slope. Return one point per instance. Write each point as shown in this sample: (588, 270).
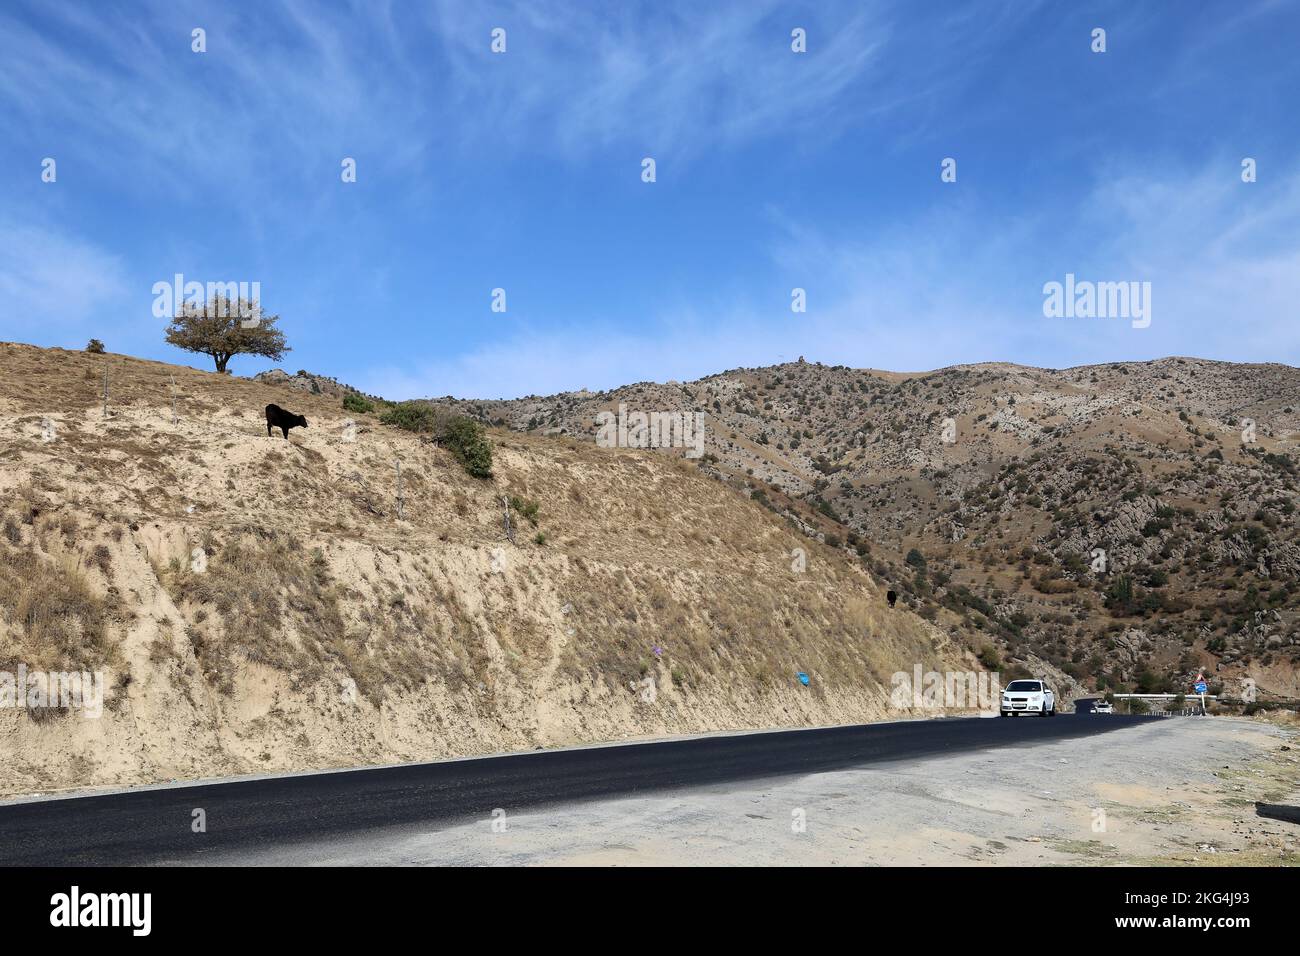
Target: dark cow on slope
(277, 417)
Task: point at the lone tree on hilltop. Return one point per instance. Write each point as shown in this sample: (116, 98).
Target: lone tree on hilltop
(224, 328)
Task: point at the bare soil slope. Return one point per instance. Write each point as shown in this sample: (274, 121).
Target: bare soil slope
(258, 604)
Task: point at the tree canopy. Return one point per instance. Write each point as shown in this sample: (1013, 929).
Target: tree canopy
(224, 328)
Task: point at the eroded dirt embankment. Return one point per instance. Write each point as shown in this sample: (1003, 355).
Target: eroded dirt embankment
(257, 604)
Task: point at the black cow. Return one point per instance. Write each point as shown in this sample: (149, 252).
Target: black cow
(891, 597)
(277, 417)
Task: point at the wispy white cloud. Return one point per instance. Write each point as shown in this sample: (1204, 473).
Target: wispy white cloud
(679, 78)
(1223, 256)
(252, 130)
(52, 282)
(676, 77)
(568, 359)
(944, 288)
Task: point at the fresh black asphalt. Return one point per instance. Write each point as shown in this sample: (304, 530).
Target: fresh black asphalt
(151, 825)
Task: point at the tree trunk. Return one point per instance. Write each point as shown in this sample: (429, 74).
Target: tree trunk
(221, 361)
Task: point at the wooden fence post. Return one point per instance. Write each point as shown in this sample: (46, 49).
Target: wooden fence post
(399, 490)
(505, 503)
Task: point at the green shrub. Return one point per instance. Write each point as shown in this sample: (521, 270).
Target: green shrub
(95, 347)
(526, 507)
(825, 508)
(1149, 682)
(469, 442)
(414, 417)
(355, 402)
(1119, 596)
(466, 438)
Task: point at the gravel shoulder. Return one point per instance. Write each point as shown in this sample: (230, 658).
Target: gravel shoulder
(1178, 791)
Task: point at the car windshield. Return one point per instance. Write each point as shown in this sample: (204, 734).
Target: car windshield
(1023, 685)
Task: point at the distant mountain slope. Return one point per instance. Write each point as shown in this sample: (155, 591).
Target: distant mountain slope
(307, 382)
(1154, 463)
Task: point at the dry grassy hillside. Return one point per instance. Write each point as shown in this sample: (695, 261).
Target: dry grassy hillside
(260, 604)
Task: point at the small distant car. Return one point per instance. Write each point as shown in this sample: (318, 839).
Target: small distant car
(1028, 697)
(1103, 707)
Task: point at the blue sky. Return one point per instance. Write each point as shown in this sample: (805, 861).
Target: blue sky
(775, 170)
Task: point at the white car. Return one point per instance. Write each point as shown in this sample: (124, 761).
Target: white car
(1103, 707)
(1028, 697)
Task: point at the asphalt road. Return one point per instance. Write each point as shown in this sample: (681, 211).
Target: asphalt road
(145, 826)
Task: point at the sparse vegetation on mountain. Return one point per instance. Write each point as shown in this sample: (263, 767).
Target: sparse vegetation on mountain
(469, 442)
(1144, 461)
(354, 402)
(416, 417)
(525, 507)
